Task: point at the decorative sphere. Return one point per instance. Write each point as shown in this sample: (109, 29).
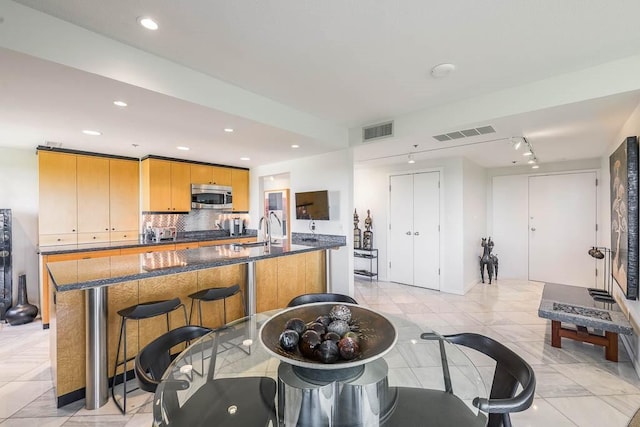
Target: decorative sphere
(340, 312)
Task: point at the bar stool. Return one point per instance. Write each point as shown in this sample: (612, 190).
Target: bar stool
(138, 312)
(215, 294)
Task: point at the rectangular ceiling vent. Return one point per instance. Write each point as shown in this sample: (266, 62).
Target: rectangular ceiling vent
(378, 131)
(483, 130)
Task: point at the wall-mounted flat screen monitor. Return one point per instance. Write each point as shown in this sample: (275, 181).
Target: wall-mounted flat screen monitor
(312, 205)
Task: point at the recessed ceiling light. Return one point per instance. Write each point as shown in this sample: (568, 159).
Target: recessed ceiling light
(535, 166)
(295, 146)
(183, 148)
(120, 103)
(245, 158)
(91, 132)
(527, 153)
(228, 130)
(442, 70)
(148, 23)
(532, 161)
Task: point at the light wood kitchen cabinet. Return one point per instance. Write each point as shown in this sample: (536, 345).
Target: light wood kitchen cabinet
(166, 186)
(124, 199)
(240, 185)
(57, 196)
(93, 197)
(215, 175)
(87, 199)
(180, 187)
(221, 175)
(201, 174)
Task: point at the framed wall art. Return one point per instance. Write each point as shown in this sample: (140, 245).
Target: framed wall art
(623, 170)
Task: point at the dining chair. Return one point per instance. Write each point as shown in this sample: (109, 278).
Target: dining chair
(320, 297)
(154, 359)
(224, 402)
(510, 373)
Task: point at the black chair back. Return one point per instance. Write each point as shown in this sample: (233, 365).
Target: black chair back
(322, 297)
(155, 357)
(511, 371)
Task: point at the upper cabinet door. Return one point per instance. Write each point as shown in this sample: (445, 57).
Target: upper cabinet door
(180, 187)
(93, 194)
(156, 185)
(57, 193)
(201, 174)
(222, 176)
(124, 195)
(240, 184)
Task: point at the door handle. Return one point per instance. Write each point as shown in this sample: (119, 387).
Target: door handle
(417, 233)
(533, 229)
(408, 233)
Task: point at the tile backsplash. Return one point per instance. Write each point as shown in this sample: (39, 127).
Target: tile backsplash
(196, 220)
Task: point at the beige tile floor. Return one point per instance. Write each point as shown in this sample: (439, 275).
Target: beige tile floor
(576, 385)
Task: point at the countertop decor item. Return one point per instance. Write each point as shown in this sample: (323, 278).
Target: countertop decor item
(22, 312)
(377, 336)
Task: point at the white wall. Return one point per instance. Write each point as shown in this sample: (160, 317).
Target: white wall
(474, 211)
(332, 172)
(19, 192)
(630, 128)
(371, 191)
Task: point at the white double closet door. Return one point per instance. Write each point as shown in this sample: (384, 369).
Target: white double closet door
(414, 231)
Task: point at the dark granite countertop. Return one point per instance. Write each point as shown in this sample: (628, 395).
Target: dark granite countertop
(185, 237)
(90, 273)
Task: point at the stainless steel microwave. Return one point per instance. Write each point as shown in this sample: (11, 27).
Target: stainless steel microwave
(207, 196)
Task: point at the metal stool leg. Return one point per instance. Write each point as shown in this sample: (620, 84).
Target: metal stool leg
(115, 369)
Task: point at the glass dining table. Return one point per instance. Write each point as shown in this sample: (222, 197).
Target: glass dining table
(195, 388)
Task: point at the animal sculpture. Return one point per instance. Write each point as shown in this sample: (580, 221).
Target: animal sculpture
(488, 260)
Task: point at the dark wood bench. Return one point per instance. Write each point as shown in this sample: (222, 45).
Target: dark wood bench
(573, 305)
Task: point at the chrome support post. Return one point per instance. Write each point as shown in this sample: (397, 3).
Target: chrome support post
(251, 288)
(96, 345)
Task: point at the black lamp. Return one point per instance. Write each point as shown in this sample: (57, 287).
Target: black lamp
(603, 295)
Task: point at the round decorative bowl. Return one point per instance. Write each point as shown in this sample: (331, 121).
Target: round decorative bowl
(377, 335)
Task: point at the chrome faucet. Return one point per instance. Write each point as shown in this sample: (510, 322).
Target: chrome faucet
(267, 226)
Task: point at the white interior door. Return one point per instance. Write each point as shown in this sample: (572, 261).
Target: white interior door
(401, 229)
(414, 234)
(562, 228)
(426, 233)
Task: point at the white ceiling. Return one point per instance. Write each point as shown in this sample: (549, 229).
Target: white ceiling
(344, 62)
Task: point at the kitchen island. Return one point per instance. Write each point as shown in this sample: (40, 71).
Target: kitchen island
(89, 292)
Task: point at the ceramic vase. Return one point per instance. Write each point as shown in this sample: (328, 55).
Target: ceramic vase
(22, 312)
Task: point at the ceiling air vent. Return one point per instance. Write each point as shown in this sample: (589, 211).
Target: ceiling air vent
(464, 133)
(381, 130)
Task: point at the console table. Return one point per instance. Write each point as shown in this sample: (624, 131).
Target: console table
(574, 305)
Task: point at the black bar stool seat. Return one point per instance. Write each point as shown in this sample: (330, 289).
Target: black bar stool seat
(216, 294)
(145, 310)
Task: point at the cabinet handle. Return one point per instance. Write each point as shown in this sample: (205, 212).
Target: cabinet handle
(417, 233)
(408, 233)
(113, 229)
(106, 229)
(94, 237)
(59, 240)
(74, 230)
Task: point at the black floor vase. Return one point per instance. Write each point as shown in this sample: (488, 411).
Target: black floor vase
(23, 312)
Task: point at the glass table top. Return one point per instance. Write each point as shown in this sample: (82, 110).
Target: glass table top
(235, 351)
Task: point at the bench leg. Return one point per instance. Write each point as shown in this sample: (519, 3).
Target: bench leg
(611, 349)
(555, 333)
